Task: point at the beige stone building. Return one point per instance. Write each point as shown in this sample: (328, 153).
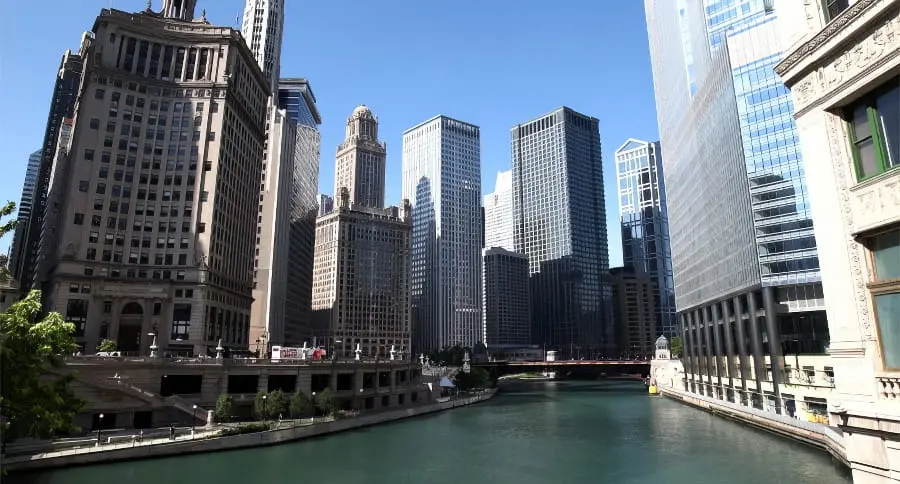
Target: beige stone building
(361, 259)
(842, 64)
(360, 160)
(155, 220)
(361, 279)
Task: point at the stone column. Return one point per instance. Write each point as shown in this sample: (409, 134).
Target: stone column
(759, 361)
(719, 345)
(688, 351)
(774, 342)
(741, 343)
(710, 347)
(262, 384)
(729, 341)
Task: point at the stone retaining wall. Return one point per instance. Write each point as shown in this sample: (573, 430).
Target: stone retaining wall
(259, 439)
(815, 434)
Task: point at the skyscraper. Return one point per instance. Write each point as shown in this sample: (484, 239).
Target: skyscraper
(645, 226)
(263, 28)
(361, 160)
(507, 308)
(62, 105)
(24, 210)
(296, 98)
(559, 215)
(498, 214)
(742, 244)
(287, 204)
(157, 219)
(362, 254)
(634, 311)
(442, 181)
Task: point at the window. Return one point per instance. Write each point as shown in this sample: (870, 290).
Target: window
(833, 8)
(76, 313)
(95, 123)
(875, 131)
(79, 218)
(885, 289)
(99, 93)
(181, 321)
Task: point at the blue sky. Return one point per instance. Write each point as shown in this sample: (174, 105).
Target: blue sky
(492, 63)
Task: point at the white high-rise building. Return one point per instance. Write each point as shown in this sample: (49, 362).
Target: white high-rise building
(442, 181)
(285, 230)
(263, 28)
(498, 214)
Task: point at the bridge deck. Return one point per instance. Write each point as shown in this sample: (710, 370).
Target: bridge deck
(566, 363)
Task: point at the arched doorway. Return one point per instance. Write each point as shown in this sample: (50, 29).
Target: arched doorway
(131, 320)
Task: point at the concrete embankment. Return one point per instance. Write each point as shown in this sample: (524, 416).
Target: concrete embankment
(817, 435)
(259, 439)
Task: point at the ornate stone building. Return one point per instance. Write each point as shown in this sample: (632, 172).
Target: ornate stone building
(360, 160)
(842, 65)
(154, 230)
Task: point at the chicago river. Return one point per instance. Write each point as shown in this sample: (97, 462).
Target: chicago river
(535, 432)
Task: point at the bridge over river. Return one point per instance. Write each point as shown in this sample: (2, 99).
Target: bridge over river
(574, 367)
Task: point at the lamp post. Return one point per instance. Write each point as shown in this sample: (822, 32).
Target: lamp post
(264, 414)
(99, 427)
(193, 419)
(153, 346)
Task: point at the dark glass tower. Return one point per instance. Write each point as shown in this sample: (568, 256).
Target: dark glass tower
(296, 97)
(560, 224)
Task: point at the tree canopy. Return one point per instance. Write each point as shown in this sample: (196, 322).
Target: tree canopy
(676, 346)
(476, 378)
(325, 402)
(450, 355)
(33, 403)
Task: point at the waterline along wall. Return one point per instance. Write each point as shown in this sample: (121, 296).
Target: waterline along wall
(259, 439)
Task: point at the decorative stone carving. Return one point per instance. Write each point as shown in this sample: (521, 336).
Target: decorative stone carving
(841, 168)
(876, 204)
(825, 35)
(882, 44)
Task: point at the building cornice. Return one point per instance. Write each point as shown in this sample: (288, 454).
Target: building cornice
(830, 32)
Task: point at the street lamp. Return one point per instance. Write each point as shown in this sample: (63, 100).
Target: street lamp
(264, 414)
(193, 419)
(99, 427)
(153, 346)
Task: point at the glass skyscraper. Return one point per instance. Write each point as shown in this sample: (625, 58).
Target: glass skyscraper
(442, 181)
(643, 213)
(296, 98)
(744, 259)
(559, 214)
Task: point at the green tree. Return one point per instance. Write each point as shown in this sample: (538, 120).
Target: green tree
(224, 406)
(276, 403)
(5, 228)
(476, 378)
(676, 346)
(32, 404)
(261, 405)
(106, 345)
(325, 402)
(300, 404)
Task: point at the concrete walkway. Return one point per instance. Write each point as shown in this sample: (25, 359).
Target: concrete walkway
(209, 440)
(819, 435)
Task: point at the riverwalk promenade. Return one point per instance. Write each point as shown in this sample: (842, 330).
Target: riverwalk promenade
(824, 437)
(209, 440)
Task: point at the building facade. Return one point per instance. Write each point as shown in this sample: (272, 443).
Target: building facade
(361, 159)
(744, 261)
(507, 308)
(326, 204)
(842, 65)
(296, 98)
(263, 29)
(23, 215)
(498, 214)
(62, 105)
(643, 212)
(156, 239)
(636, 316)
(442, 181)
(558, 209)
(361, 290)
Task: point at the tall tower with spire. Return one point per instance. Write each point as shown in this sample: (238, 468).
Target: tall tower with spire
(360, 160)
(263, 28)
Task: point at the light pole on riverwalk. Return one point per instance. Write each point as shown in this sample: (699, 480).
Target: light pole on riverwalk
(99, 427)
